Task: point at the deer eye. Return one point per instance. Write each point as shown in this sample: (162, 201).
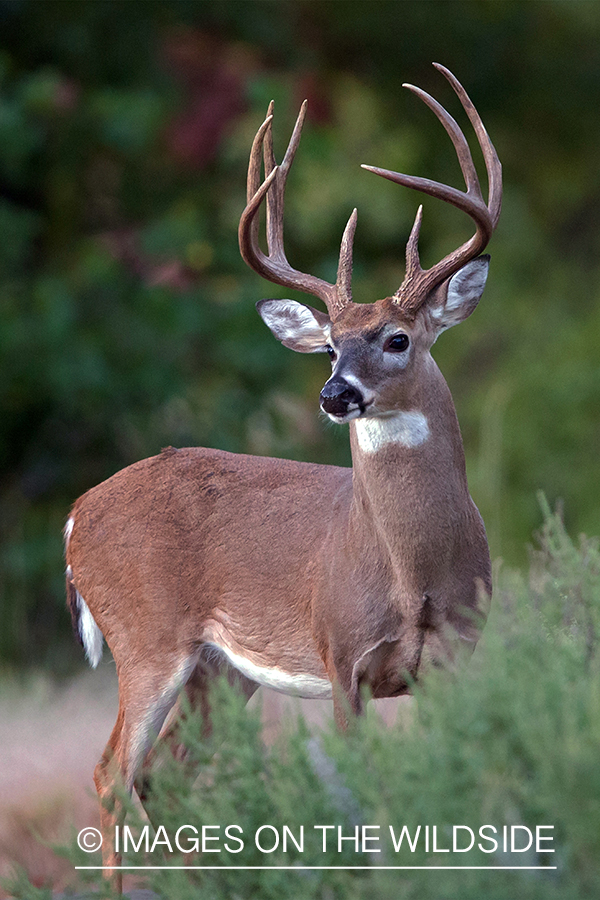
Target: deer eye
(330, 352)
(397, 344)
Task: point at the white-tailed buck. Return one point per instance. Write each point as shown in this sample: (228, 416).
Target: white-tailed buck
(313, 580)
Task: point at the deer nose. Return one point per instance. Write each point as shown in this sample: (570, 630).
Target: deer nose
(337, 395)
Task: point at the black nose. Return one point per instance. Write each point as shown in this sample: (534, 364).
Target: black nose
(337, 395)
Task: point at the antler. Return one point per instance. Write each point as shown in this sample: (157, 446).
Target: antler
(275, 266)
(418, 282)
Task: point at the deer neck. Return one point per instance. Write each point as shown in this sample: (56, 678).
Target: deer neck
(408, 466)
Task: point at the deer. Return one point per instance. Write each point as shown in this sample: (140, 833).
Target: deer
(315, 580)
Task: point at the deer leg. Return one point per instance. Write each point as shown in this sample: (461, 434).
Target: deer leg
(197, 699)
(144, 702)
(345, 707)
(347, 701)
(111, 813)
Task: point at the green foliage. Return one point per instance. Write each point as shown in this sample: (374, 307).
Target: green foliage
(244, 784)
(126, 315)
(512, 740)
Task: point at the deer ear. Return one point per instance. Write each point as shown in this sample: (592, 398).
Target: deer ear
(458, 297)
(297, 326)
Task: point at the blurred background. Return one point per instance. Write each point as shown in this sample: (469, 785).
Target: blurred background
(127, 318)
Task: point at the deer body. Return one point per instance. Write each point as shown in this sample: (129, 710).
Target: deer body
(324, 547)
(314, 580)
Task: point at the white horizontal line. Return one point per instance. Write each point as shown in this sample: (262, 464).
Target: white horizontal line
(298, 868)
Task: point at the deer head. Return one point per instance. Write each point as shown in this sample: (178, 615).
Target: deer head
(378, 350)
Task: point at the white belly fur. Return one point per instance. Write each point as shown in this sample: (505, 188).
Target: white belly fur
(311, 687)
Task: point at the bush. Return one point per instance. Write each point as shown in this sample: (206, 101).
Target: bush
(511, 741)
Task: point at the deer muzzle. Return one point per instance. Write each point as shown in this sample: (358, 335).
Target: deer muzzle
(338, 398)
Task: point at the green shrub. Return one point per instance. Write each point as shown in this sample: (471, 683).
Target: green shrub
(512, 740)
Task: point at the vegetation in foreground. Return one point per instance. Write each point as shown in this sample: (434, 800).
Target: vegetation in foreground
(511, 741)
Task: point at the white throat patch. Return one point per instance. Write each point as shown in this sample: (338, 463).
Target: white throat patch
(407, 429)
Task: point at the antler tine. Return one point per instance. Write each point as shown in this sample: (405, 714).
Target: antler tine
(275, 266)
(275, 198)
(457, 137)
(490, 157)
(344, 273)
(413, 263)
(253, 180)
(418, 283)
